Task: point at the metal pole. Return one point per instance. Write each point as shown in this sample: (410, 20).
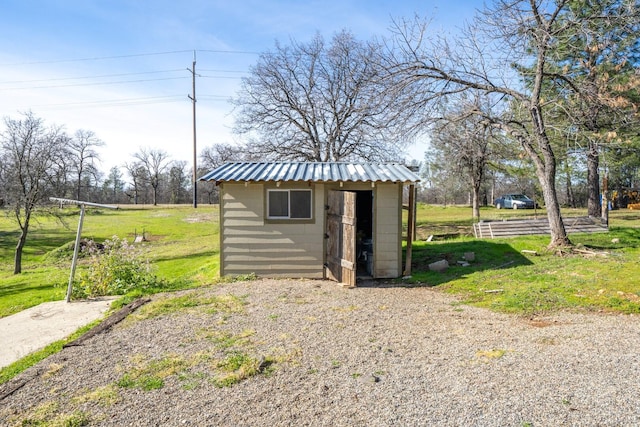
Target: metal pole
(76, 248)
(410, 230)
(75, 254)
(193, 103)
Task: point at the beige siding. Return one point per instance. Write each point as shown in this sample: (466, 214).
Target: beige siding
(251, 244)
(242, 206)
(387, 240)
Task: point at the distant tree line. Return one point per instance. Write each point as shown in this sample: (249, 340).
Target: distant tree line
(38, 161)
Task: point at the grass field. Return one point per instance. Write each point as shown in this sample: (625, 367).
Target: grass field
(183, 246)
(603, 275)
(182, 242)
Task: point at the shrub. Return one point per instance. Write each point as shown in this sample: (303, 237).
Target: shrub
(115, 268)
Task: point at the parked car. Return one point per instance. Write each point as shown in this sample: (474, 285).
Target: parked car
(514, 201)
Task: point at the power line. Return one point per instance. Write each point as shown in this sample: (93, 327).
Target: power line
(117, 102)
(127, 102)
(224, 71)
(240, 52)
(96, 58)
(90, 77)
(134, 55)
(105, 76)
(204, 76)
(95, 84)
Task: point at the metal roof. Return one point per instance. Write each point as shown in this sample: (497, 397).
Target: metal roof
(311, 172)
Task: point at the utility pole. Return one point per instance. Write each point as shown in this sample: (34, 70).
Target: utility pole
(193, 102)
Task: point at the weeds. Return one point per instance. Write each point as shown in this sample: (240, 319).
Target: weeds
(48, 414)
(225, 340)
(188, 302)
(492, 354)
(151, 375)
(104, 396)
(115, 268)
(235, 368)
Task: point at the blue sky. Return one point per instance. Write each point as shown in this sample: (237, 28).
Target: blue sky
(119, 67)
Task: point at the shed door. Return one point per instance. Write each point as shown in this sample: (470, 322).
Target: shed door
(341, 237)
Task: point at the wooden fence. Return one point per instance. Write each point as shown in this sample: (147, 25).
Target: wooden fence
(512, 228)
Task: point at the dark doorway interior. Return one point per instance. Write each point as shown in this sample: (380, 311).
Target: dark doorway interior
(364, 233)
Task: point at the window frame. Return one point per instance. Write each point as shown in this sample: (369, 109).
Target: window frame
(288, 217)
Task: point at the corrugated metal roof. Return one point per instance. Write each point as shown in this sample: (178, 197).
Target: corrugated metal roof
(311, 172)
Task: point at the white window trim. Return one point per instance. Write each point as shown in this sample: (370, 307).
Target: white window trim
(288, 191)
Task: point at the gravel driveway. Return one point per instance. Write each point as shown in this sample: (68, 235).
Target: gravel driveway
(326, 355)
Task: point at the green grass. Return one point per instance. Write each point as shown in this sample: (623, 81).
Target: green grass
(453, 220)
(505, 279)
(183, 245)
(150, 375)
(191, 301)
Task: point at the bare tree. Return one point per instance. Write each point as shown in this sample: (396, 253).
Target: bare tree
(505, 51)
(139, 177)
(443, 184)
(4, 178)
(178, 182)
(82, 158)
(30, 151)
(217, 154)
(464, 142)
(320, 102)
(155, 163)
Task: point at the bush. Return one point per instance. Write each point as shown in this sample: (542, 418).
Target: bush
(115, 268)
(64, 253)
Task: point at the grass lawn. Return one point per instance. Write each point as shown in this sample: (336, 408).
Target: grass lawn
(182, 244)
(604, 277)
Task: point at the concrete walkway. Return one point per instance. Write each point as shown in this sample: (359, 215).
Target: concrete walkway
(39, 326)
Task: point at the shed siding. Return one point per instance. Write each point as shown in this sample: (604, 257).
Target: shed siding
(242, 206)
(388, 231)
(269, 248)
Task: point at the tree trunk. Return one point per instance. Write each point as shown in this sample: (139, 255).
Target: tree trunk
(545, 163)
(593, 180)
(571, 200)
(79, 185)
(547, 175)
(558, 232)
(476, 201)
(605, 199)
(17, 265)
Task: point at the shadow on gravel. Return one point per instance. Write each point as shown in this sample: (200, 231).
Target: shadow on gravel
(462, 257)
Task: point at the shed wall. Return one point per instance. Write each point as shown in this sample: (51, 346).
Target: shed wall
(387, 253)
(269, 248)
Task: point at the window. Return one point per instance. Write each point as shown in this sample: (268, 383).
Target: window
(289, 204)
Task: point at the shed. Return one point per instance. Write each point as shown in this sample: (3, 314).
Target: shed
(312, 219)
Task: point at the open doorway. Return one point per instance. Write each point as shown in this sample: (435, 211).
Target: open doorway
(364, 233)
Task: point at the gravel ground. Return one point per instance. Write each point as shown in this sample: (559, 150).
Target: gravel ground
(326, 355)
